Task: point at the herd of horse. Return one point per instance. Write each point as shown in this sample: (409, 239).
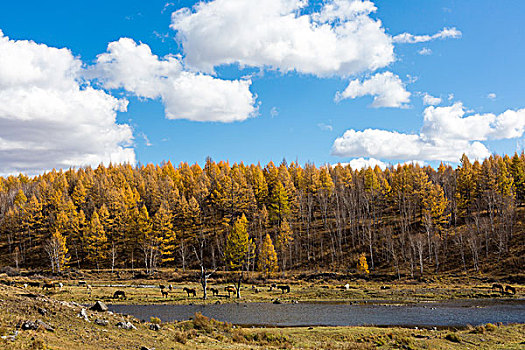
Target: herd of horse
(230, 289)
(165, 290)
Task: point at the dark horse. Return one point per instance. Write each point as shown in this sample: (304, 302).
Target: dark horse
(164, 293)
(190, 291)
(497, 287)
(510, 290)
(214, 291)
(118, 294)
(229, 289)
(284, 288)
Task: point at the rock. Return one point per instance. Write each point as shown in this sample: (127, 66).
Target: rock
(126, 325)
(99, 306)
(42, 311)
(44, 325)
(83, 314)
(101, 322)
(154, 327)
(29, 325)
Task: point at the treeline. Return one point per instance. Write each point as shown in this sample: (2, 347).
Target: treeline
(408, 218)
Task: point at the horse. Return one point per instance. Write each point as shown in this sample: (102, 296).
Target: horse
(164, 293)
(33, 284)
(48, 285)
(170, 287)
(118, 294)
(161, 286)
(497, 287)
(284, 288)
(214, 291)
(190, 291)
(510, 290)
(82, 283)
(229, 289)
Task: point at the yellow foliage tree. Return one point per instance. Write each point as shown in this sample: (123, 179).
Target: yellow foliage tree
(362, 265)
(267, 262)
(57, 251)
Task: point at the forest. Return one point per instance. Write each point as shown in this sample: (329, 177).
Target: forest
(406, 220)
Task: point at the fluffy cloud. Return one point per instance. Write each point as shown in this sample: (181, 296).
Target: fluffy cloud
(338, 39)
(446, 134)
(425, 51)
(186, 95)
(429, 100)
(49, 117)
(491, 96)
(445, 33)
(388, 90)
(362, 163)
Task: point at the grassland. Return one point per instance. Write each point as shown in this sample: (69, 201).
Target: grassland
(73, 332)
(321, 288)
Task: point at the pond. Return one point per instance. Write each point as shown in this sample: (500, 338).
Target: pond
(439, 314)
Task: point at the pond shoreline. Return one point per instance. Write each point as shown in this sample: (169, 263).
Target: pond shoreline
(452, 313)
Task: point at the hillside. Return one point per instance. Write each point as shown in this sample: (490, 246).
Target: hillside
(408, 221)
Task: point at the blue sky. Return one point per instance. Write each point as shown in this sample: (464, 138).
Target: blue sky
(292, 112)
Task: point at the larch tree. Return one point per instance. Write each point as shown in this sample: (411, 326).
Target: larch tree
(95, 241)
(239, 249)
(267, 261)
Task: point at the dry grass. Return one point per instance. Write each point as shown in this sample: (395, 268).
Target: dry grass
(72, 332)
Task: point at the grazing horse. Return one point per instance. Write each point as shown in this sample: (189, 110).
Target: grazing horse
(118, 294)
(48, 285)
(190, 291)
(214, 291)
(33, 284)
(497, 287)
(164, 293)
(272, 286)
(229, 289)
(510, 290)
(284, 288)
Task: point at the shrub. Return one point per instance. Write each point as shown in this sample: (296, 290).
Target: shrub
(453, 337)
(180, 337)
(155, 320)
(490, 327)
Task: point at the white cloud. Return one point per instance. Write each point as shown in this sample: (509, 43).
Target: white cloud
(49, 117)
(186, 95)
(388, 90)
(362, 163)
(425, 51)
(430, 100)
(446, 134)
(491, 96)
(325, 127)
(407, 38)
(274, 112)
(339, 39)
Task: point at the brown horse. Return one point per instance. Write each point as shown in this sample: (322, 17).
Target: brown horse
(497, 287)
(284, 288)
(190, 291)
(118, 294)
(48, 285)
(510, 290)
(229, 289)
(164, 293)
